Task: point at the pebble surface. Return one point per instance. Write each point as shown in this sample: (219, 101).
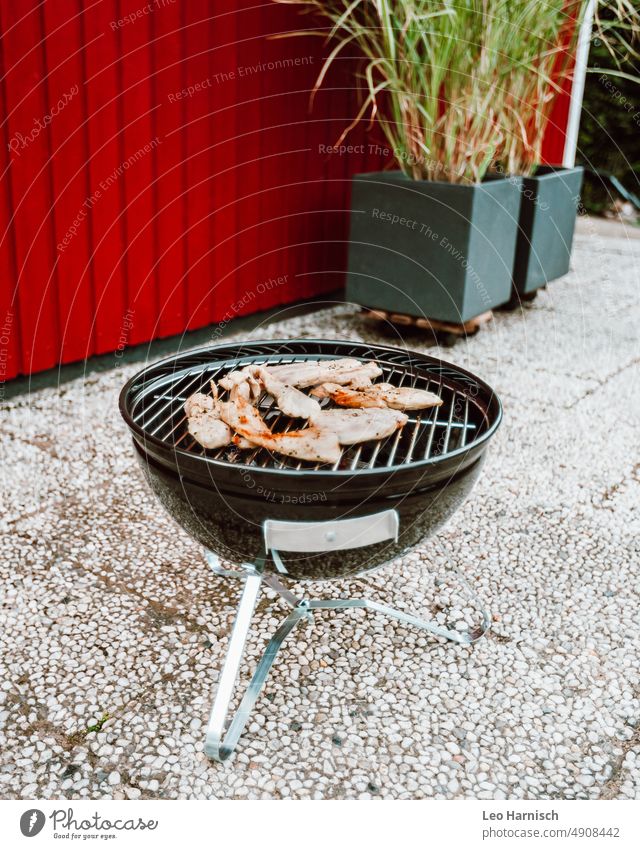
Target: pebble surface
(113, 630)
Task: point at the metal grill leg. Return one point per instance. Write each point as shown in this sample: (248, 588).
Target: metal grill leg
(219, 745)
(415, 621)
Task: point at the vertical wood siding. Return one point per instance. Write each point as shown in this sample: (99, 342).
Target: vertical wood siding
(162, 170)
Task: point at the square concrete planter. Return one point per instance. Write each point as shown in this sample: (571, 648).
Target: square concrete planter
(428, 248)
(547, 221)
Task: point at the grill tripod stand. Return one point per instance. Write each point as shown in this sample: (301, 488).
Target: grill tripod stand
(219, 744)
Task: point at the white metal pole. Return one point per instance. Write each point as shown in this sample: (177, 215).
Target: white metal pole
(577, 87)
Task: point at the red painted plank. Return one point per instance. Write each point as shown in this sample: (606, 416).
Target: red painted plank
(249, 167)
(172, 199)
(278, 138)
(265, 80)
(200, 39)
(10, 343)
(138, 142)
(65, 89)
(331, 168)
(105, 202)
(28, 120)
(340, 102)
(221, 97)
(555, 134)
(319, 111)
(292, 111)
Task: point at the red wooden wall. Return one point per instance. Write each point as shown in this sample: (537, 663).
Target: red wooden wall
(162, 171)
(554, 137)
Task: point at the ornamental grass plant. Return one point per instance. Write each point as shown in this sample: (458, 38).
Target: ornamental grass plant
(460, 88)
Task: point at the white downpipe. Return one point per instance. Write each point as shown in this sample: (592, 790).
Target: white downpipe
(577, 86)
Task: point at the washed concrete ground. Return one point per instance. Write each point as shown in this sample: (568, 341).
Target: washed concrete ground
(113, 629)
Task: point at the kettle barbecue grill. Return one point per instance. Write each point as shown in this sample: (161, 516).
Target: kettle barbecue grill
(279, 519)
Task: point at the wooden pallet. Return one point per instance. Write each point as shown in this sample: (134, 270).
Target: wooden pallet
(432, 325)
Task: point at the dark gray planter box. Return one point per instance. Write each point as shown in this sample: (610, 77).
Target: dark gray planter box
(429, 248)
(547, 221)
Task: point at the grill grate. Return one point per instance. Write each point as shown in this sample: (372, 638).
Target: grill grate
(429, 434)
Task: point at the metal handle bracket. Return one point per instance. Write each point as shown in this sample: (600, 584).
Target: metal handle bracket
(333, 535)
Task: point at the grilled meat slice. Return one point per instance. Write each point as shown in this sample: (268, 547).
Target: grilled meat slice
(405, 397)
(244, 418)
(353, 426)
(311, 373)
(359, 378)
(204, 423)
(209, 430)
(243, 375)
(241, 442)
(245, 391)
(290, 400)
(251, 380)
(378, 395)
(345, 396)
(327, 371)
(199, 403)
(312, 443)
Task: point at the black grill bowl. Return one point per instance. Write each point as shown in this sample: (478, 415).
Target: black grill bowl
(222, 498)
